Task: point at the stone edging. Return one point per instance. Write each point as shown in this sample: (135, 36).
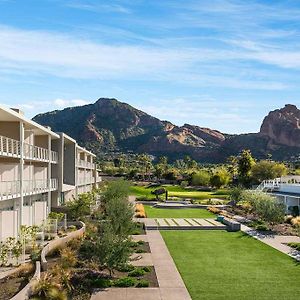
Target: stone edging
(25, 293)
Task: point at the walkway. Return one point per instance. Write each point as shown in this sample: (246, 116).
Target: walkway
(181, 224)
(276, 241)
(171, 285)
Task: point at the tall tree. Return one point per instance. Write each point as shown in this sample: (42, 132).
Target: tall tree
(245, 164)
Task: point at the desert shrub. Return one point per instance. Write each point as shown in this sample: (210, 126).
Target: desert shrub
(140, 211)
(296, 222)
(68, 257)
(184, 184)
(295, 246)
(124, 282)
(142, 283)
(74, 243)
(265, 206)
(262, 227)
(137, 272)
(235, 194)
(214, 210)
(47, 289)
(288, 219)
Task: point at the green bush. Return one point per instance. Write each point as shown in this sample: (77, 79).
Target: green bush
(295, 246)
(140, 251)
(138, 272)
(146, 269)
(126, 268)
(262, 227)
(101, 282)
(141, 242)
(142, 283)
(124, 282)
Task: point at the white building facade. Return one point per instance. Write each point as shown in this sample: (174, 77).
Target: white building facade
(286, 189)
(39, 169)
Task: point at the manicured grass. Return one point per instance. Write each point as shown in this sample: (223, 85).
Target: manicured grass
(177, 191)
(223, 265)
(153, 212)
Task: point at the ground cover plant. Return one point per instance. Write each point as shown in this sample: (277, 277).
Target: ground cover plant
(152, 212)
(225, 265)
(102, 258)
(144, 192)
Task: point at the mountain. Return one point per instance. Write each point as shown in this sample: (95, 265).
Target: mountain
(112, 126)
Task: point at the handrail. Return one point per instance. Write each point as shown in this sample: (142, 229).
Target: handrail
(12, 147)
(85, 164)
(9, 188)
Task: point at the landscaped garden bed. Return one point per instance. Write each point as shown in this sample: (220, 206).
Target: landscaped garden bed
(12, 284)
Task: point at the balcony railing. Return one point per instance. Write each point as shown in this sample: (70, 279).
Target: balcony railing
(85, 164)
(83, 181)
(9, 147)
(12, 189)
(12, 148)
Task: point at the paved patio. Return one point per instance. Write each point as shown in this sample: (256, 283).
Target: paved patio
(180, 224)
(171, 285)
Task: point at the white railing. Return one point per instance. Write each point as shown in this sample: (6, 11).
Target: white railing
(9, 147)
(12, 148)
(10, 189)
(85, 164)
(269, 184)
(83, 181)
(54, 156)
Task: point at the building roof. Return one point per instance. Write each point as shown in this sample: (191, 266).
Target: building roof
(295, 195)
(9, 115)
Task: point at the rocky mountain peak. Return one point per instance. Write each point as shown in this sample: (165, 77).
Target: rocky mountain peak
(282, 126)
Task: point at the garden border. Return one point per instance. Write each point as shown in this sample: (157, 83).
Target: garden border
(25, 293)
(59, 243)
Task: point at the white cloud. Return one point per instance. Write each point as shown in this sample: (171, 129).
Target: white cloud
(73, 102)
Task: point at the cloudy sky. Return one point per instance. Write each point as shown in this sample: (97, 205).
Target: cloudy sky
(222, 64)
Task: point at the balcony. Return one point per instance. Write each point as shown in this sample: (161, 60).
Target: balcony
(12, 148)
(12, 189)
(85, 181)
(85, 164)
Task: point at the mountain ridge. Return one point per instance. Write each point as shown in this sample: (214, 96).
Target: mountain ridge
(109, 125)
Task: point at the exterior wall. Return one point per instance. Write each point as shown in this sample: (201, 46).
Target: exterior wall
(8, 224)
(290, 188)
(28, 165)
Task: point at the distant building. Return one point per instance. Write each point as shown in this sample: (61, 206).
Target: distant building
(39, 169)
(286, 189)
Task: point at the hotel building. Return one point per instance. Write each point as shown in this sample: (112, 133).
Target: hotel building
(39, 169)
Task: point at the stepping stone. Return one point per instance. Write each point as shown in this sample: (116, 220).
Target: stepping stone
(203, 222)
(150, 222)
(182, 222)
(172, 223)
(214, 222)
(162, 222)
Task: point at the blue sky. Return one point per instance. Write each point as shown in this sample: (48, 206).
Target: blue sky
(222, 64)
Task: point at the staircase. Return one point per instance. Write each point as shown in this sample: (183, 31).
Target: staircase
(269, 185)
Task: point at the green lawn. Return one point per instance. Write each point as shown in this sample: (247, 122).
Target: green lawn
(222, 265)
(177, 191)
(153, 212)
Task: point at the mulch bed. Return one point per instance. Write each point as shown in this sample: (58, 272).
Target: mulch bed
(12, 284)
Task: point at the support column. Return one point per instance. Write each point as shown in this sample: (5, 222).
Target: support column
(21, 175)
(49, 176)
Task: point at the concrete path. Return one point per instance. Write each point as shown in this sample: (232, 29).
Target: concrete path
(171, 285)
(181, 223)
(276, 241)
